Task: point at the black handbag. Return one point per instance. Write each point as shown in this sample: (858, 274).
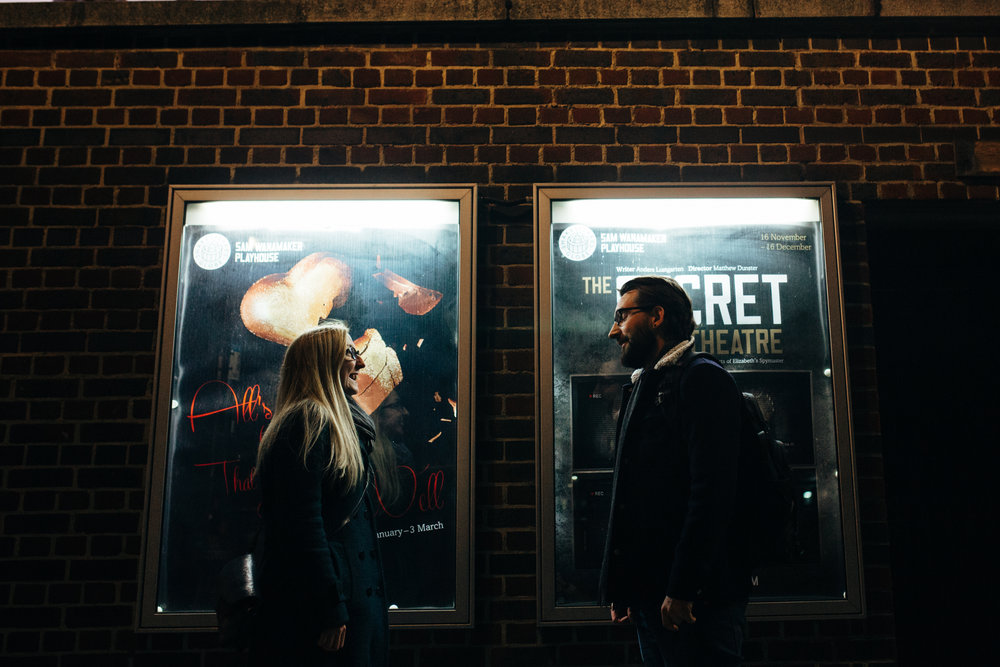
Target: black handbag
(236, 606)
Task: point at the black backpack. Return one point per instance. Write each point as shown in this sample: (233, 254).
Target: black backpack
(767, 515)
(769, 503)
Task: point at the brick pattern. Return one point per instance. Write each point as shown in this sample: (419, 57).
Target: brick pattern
(90, 139)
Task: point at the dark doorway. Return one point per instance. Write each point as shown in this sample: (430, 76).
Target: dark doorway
(934, 274)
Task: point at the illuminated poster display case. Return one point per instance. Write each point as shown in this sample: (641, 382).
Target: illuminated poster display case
(761, 264)
(246, 270)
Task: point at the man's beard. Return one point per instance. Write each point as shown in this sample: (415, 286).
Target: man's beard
(637, 352)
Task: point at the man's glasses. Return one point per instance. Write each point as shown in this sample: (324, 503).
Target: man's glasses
(622, 313)
(352, 352)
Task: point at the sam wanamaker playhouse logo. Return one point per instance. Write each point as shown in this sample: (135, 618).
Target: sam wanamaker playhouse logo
(577, 242)
(212, 251)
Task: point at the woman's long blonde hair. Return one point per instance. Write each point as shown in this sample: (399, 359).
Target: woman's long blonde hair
(309, 385)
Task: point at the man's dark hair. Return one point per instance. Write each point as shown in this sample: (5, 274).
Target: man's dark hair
(678, 320)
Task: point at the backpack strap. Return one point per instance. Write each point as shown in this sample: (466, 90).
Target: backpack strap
(670, 383)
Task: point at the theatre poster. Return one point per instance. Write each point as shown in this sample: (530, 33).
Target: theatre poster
(247, 270)
(761, 266)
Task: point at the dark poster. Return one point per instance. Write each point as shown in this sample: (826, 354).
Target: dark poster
(250, 280)
(754, 270)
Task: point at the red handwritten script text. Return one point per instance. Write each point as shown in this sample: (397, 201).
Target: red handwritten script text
(232, 477)
(426, 490)
(248, 409)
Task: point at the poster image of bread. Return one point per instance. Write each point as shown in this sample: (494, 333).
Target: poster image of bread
(755, 275)
(245, 291)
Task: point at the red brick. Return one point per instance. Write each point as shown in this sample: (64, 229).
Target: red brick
(460, 57)
(459, 115)
(489, 77)
(333, 116)
(740, 153)
(270, 117)
(648, 115)
(396, 116)
(273, 77)
(398, 154)
(616, 115)
(888, 116)
(859, 116)
(228, 58)
(556, 154)
(364, 154)
(490, 116)
(677, 116)
(553, 116)
(429, 78)
(397, 96)
(582, 77)
(526, 116)
(81, 59)
(175, 78)
(587, 153)
(917, 116)
(975, 117)
(412, 57)
(238, 77)
(947, 116)
(435, 154)
(683, 154)
(427, 115)
(803, 116)
(524, 154)
(336, 58)
(772, 153)
(397, 77)
(652, 154)
(363, 115)
(52, 78)
(458, 77)
(494, 154)
(209, 77)
(610, 77)
(707, 116)
(862, 153)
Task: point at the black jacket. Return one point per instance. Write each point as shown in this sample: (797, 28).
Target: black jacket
(315, 572)
(675, 489)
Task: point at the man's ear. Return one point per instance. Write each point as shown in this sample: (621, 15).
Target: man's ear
(657, 316)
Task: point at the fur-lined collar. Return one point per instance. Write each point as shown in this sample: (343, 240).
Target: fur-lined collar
(671, 358)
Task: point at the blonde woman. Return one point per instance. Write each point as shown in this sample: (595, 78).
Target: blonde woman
(319, 574)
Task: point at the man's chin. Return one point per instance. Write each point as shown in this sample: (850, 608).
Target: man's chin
(628, 361)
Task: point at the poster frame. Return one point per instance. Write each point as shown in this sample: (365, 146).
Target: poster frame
(147, 617)
(549, 613)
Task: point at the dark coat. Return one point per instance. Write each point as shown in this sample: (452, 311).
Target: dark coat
(674, 490)
(313, 571)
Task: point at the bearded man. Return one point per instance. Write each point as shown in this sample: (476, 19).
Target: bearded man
(675, 562)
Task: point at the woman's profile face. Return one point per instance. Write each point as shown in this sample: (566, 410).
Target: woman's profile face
(349, 368)
(392, 416)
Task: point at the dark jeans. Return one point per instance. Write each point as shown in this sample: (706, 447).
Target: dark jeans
(715, 639)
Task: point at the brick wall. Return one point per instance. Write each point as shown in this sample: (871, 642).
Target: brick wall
(90, 139)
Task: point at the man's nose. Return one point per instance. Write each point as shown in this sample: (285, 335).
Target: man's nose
(613, 334)
(359, 362)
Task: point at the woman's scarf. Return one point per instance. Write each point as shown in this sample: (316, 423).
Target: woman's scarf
(363, 423)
